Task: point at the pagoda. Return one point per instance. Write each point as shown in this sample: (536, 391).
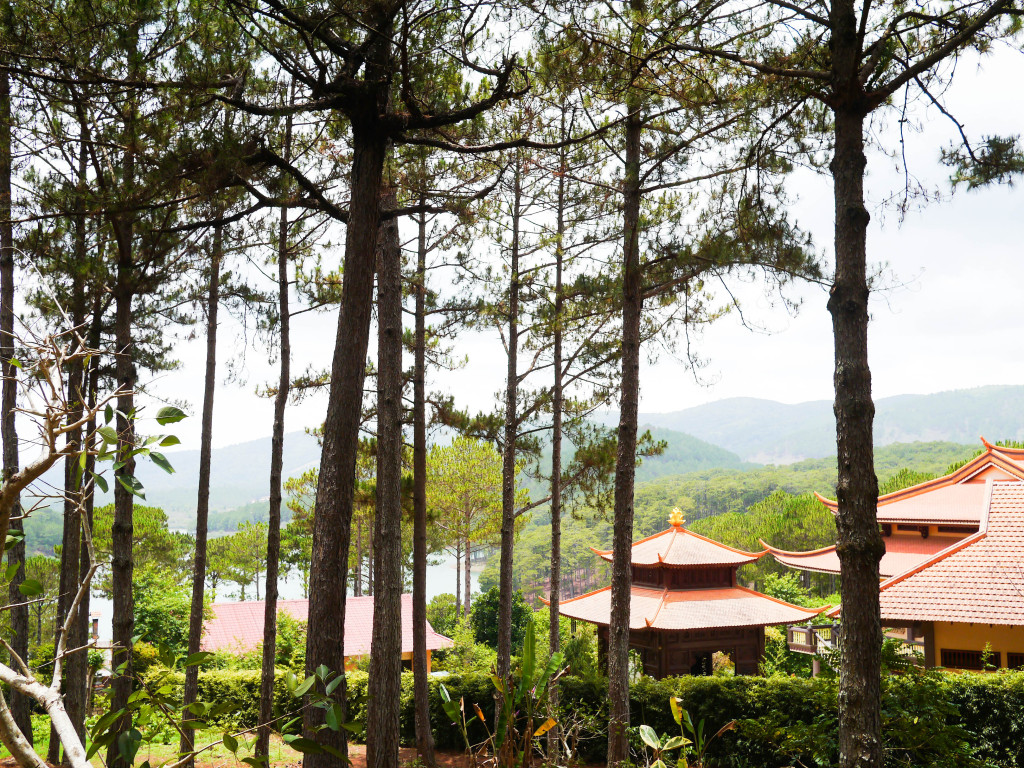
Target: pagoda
(686, 605)
(923, 520)
(953, 583)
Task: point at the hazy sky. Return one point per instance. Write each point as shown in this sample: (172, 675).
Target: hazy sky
(952, 319)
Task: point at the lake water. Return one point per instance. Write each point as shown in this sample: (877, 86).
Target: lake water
(440, 579)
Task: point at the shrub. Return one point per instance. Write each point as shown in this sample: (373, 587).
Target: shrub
(239, 689)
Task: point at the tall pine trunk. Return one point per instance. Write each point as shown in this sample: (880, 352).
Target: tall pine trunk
(467, 579)
(557, 401)
(71, 543)
(421, 685)
(859, 541)
(195, 618)
(385, 681)
(76, 691)
(20, 705)
(276, 466)
(625, 460)
(458, 579)
(325, 639)
(122, 557)
(508, 454)
(123, 564)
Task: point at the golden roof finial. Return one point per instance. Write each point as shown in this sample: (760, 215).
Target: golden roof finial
(676, 519)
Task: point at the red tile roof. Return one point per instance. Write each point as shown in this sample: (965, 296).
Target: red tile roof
(686, 609)
(238, 627)
(679, 546)
(901, 554)
(980, 580)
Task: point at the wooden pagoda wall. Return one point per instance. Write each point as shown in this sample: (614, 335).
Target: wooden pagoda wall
(686, 652)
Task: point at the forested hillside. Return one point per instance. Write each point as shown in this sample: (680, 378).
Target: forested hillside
(735, 506)
(768, 431)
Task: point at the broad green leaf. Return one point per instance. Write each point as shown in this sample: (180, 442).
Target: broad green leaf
(132, 485)
(675, 742)
(305, 745)
(169, 415)
(333, 685)
(255, 762)
(108, 434)
(100, 481)
(30, 588)
(12, 571)
(332, 718)
(169, 440)
(650, 737)
(230, 742)
(161, 461)
(108, 413)
(305, 686)
(197, 658)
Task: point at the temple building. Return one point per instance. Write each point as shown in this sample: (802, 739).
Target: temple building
(686, 605)
(953, 572)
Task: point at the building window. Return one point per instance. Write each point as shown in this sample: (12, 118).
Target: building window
(1015, 661)
(970, 659)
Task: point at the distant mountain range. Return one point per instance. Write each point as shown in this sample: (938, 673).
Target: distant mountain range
(240, 474)
(730, 434)
(766, 431)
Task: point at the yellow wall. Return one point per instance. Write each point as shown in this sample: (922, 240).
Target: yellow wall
(972, 637)
(350, 661)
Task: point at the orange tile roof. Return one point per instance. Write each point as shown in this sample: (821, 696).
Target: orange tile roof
(685, 609)
(679, 546)
(901, 554)
(980, 580)
(952, 499)
(238, 627)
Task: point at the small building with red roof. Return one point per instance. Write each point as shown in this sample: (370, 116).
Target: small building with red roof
(686, 605)
(953, 571)
(238, 627)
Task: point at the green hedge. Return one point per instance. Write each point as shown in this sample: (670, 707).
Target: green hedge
(240, 686)
(929, 721)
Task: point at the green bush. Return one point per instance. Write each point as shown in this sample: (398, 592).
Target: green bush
(239, 688)
(930, 720)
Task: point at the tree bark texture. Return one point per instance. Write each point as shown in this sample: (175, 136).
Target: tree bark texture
(385, 681)
(421, 686)
(79, 380)
(336, 483)
(71, 543)
(859, 541)
(195, 617)
(508, 452)
(625, 460)
(557, 403)
(20, 705)
(123, 563)
(122, 559)
(276, 467)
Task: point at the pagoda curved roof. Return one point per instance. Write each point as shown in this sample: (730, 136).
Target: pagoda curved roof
(954, 499)
(978, 580)
(901, 554)
(681, 547)
(687, 609)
